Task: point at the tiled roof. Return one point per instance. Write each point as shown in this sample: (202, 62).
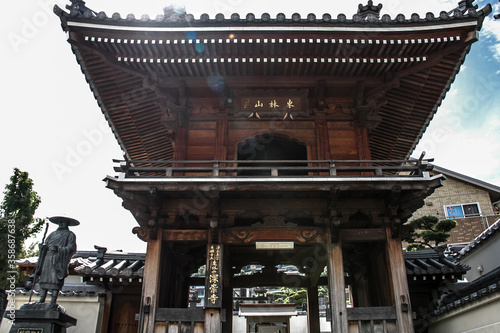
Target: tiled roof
(469, 292)
(139, 68)
(423, 265)
(479, 240)
(173, 18)
(429, 265)
(419, 265)
(493, 190)
(78, 290)
(110, 265)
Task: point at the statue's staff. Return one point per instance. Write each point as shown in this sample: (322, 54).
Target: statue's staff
(41, 257)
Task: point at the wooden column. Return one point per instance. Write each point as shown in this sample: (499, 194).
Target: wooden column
(213, 322)
(362, 142)
(180, 147)
(323, 141)
(399, 282)
(336, 285)
(213, 289)
(221, 140)
(313, 308)
(151, 284)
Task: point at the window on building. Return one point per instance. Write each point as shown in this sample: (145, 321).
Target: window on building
(462, 210)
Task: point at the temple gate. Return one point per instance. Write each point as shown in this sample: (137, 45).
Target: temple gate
(273, 142)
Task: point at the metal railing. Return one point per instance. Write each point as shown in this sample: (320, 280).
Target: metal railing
(273, 168)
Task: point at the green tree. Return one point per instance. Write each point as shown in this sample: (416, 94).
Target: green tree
(17, 222)
(298, 295)
(428, 231)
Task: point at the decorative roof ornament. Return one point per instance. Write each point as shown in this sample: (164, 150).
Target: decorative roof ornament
(463, 7)
(369, 10)
(78, 8)
(174, 13)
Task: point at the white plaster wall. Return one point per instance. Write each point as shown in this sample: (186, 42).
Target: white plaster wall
(480, 317)
(239, 324)
(298, 324)
(84, 309)
(482, 256)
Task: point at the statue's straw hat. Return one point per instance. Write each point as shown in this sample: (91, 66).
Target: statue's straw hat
(58, 219)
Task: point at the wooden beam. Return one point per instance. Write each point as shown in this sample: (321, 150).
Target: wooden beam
(311, 235)
(363, 235)
(176, 315)
(372, 313)
(186, 235)
(397, 272)
(254, 81)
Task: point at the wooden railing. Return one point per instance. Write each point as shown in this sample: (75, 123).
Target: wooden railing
(276, 168)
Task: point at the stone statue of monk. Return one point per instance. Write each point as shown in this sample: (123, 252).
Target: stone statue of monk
(55, 254)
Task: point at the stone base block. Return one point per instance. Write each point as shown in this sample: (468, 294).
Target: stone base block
(41, 321)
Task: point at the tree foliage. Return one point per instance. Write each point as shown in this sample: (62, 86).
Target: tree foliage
(428, 231)
(17, 220)
(297, 295)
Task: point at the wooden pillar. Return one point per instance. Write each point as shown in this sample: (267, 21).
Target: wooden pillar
(336, 285)
(180, 147)
(213, 322)
(221, 140)
(362, 142)
(151, 284)
(213, 289)
(399, 282)
(313, 308)
(322, 138)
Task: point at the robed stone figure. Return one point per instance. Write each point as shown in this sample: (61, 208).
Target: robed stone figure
(55, 254)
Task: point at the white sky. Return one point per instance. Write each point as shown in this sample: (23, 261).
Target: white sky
(52, 127)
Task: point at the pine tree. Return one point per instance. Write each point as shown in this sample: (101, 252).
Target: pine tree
(428, 231)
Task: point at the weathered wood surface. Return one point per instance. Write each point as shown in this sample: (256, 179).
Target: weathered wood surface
(363, 235)
(313, 309)
(371, 313)
(336, 285)
(151, 284)
(397, 272)
(177, 314)
(213, 321)
(207, 166)
(250, 235)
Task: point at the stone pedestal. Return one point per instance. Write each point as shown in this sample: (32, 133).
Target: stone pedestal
(41, 321)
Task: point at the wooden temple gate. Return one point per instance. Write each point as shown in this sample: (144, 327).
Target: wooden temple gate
(307, 221)
(241, 133)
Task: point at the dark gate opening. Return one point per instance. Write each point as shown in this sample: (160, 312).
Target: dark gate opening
(272, 148)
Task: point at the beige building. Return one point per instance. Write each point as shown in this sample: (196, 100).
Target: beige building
(471, 202)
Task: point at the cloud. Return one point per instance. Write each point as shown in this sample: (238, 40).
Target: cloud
(472, 152)
(491, 32)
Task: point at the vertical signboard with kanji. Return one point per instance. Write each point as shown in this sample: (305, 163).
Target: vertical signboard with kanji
(213, 280)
